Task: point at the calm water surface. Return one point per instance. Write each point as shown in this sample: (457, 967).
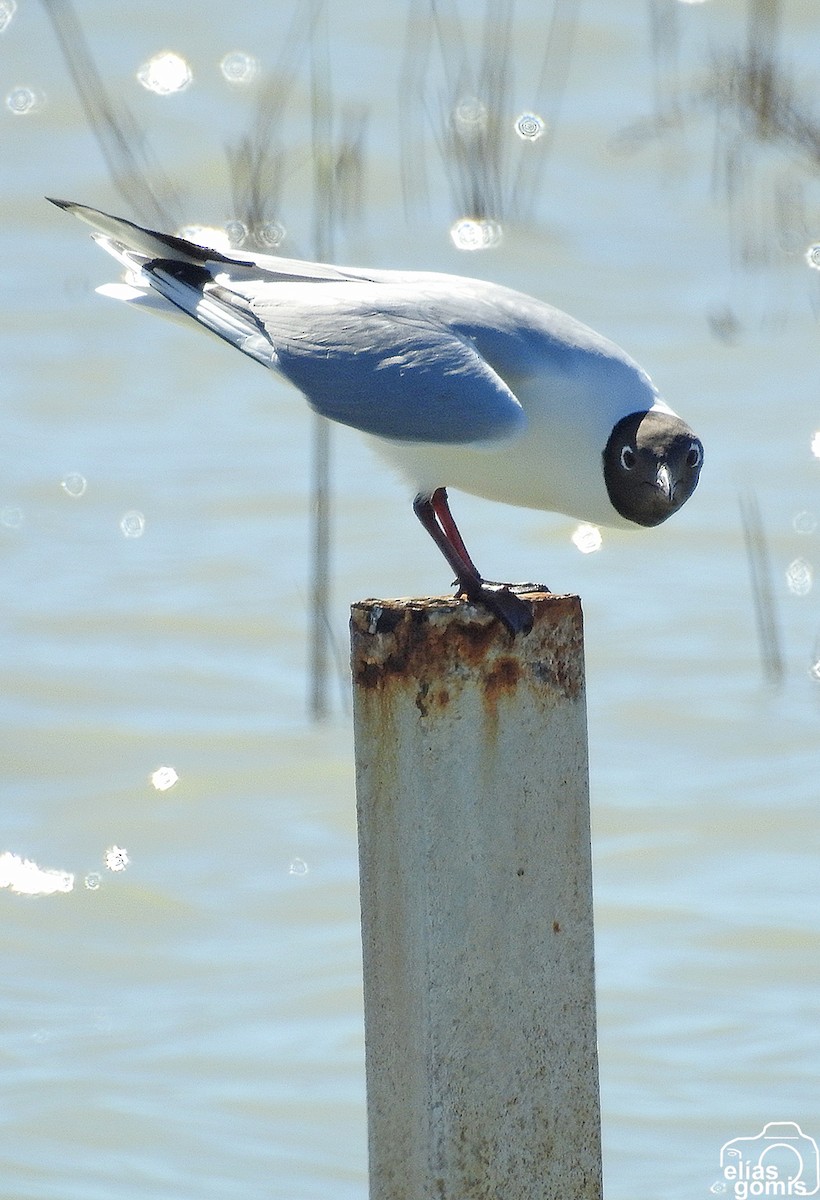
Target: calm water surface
(190, 1027)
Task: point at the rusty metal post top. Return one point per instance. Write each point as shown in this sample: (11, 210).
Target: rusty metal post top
(426, 640)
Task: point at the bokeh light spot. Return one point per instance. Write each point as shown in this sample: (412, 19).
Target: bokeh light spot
(11, 516)
(470, 233)
(799, 577)
(530, 127)
(164, 778)
(132, 524)
(165, 74)
(804, 522)
(23, 876)
(587, 538)
(7, 10)
(74, 484)
(239, 68)
(116, 858)
(21, 101)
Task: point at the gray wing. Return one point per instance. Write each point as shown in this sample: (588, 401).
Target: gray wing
(357, 355)
(364, 348)
(386, 371)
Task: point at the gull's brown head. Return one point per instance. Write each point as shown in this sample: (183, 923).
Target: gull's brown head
(652, 463)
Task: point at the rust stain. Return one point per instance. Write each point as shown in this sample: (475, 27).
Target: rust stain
(499, 682)
(503, 676)
(409, 640)
(431, 699)
(438, 644)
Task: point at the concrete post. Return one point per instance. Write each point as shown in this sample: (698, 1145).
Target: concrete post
(476, 893)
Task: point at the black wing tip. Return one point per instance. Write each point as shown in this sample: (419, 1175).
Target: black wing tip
(66, 204)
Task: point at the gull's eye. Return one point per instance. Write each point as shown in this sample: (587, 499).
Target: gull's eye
(627, 458)
(695, 456)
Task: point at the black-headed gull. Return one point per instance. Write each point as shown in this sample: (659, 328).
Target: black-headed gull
(459, 382)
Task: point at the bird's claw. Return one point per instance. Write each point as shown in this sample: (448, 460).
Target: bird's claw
(502, 600)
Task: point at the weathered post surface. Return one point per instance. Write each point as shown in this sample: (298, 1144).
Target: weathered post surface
(476, 892)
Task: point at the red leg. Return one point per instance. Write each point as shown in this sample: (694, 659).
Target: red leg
(441, 508)
(434, 513)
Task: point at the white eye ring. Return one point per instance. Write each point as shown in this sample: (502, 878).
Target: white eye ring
(695, 456)
(627, 458)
